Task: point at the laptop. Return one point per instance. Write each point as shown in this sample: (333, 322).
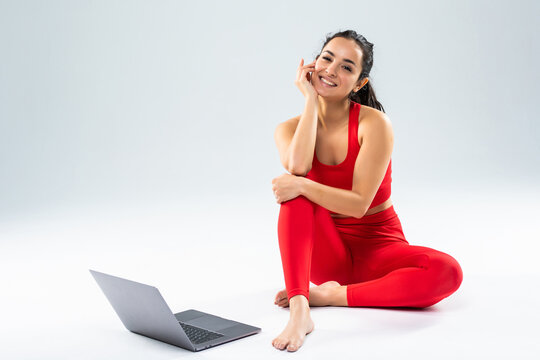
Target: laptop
(143, 310)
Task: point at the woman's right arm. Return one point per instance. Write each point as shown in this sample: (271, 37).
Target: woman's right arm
(296, 140)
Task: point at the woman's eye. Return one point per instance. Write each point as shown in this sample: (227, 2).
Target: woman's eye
(346, 67)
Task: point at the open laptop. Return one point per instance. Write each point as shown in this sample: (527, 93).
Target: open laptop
(143, 310)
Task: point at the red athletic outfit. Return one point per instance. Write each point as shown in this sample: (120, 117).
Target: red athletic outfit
(370, 255)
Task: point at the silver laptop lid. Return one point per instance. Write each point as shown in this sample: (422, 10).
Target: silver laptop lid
(142, 309)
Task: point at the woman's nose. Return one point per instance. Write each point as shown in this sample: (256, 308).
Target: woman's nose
(330, 71)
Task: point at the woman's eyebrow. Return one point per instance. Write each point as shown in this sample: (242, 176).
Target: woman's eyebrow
(346, 60)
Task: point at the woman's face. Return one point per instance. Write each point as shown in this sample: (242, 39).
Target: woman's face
(340, 62)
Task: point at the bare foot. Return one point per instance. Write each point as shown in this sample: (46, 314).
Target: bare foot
(318, 295)
(299, 325)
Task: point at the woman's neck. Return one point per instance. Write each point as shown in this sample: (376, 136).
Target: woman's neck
(332, 114)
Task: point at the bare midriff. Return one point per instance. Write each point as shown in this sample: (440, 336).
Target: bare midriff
(381, 207)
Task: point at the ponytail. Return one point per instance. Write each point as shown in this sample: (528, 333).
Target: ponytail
(366, 96)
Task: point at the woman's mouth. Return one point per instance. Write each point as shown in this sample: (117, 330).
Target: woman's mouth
(326, 82)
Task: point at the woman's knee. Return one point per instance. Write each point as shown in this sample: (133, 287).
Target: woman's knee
(449, 274)
(298, 203)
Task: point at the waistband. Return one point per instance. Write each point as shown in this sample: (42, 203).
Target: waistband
(368, 219)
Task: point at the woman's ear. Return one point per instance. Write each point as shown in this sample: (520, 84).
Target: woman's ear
(361, 84)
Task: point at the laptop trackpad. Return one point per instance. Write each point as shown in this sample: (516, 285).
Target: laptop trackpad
(211, 322)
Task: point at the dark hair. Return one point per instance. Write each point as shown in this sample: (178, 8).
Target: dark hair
(366, 95)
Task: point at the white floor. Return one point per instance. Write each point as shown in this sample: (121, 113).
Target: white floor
(53, 309)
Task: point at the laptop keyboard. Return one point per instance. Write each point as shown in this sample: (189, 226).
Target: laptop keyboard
(197, 335)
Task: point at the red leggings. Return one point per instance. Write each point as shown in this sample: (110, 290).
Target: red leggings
(370, 255)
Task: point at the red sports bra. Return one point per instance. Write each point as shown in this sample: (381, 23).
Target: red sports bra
(341, 175)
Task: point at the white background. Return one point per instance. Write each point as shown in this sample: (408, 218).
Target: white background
(136, 138)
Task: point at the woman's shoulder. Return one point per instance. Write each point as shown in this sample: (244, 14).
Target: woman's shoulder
(288, 126)
(292, 122)
(370, 116)
(371, 120)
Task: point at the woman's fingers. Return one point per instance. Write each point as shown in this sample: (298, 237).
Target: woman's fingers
(302, 61)
(307, 65)
(304, 76)
(304, 70)
(308, 68)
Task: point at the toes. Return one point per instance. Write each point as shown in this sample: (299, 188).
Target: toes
(294, 346)
(281, 301)
(281, 294)
(280, 343)
(283, 343)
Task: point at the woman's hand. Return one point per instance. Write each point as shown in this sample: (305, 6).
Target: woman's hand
(304, 75)
(286, 187)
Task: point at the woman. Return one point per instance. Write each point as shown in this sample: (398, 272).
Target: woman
(337, 226)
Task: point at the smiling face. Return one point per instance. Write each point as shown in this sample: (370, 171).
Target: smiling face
(340, 63)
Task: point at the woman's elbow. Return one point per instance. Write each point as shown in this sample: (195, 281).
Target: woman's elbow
(298, 171)
(361, 210)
